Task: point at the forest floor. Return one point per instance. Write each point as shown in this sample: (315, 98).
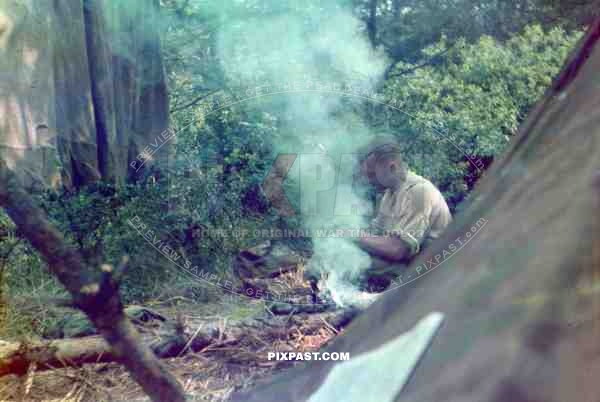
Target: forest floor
(210, 374)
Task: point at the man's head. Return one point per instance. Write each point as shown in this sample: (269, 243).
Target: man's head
(382, 164)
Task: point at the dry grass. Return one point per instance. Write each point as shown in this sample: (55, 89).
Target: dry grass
(110, 382)
(211, 374)
(206, 376)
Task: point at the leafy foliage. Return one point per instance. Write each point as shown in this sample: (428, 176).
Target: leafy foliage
(456, 117)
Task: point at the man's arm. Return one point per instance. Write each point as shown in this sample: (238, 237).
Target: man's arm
(391, 248)
(406, 223)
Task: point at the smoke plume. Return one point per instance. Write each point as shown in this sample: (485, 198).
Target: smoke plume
(284, 54)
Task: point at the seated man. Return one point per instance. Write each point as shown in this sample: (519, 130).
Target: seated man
(411, 213)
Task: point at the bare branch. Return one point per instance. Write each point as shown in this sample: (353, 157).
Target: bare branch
(429, 62)
(194, 101)
(93, 290)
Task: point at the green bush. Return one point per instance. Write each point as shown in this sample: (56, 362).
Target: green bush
(476, 98)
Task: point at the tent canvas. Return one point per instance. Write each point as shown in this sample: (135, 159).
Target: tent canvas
(83, 91)
(521, 299)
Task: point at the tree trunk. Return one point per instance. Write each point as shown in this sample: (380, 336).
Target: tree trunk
(372, 23)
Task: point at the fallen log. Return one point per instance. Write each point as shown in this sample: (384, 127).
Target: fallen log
(172, 340)
(15, 358)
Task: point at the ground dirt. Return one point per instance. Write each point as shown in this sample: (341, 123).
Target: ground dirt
(207, 375)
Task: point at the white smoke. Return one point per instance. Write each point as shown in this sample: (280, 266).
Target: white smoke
(326, 45)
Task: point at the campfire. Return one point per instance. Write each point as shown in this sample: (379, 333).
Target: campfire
(295, 288)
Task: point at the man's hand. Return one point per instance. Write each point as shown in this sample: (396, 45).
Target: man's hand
(391, 248)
